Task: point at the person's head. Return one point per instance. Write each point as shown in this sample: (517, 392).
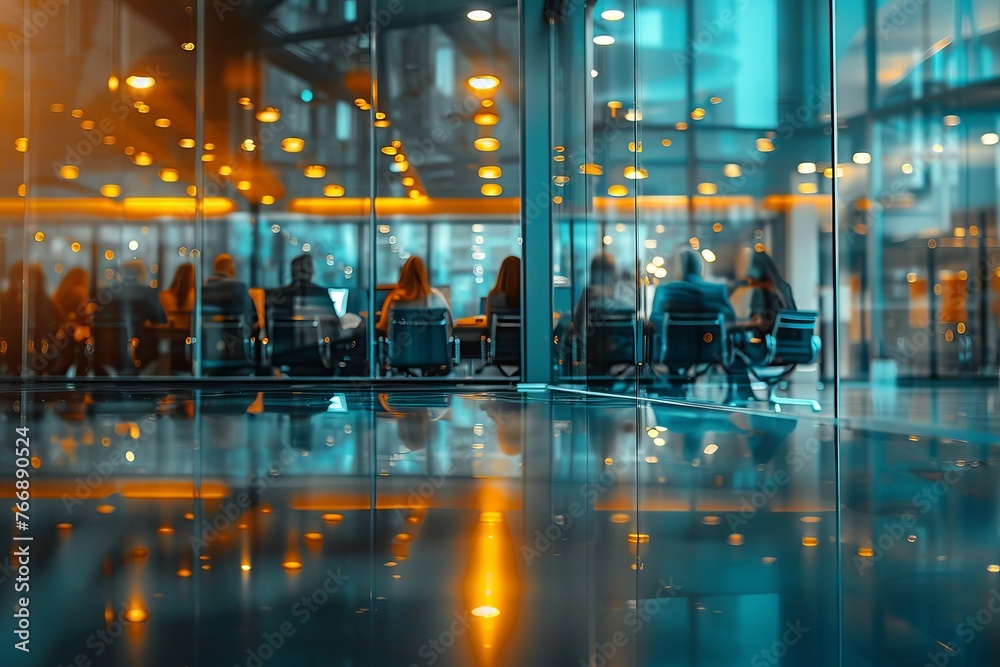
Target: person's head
(413, 279)
(134, 271)
(303, 269)
(183, 283)
(509, 281)
(224, 266)
(690, 263)
(603, 270)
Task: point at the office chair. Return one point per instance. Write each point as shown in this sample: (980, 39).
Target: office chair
(611, 342)
(691, 344)
(301, 342)
(226, 343)
(504, 342)
(113, 349)
(419, 339)
(792, 343)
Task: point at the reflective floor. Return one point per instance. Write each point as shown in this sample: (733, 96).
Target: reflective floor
(427, 528)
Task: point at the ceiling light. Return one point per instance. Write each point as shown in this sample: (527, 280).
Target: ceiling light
(169, 175)
(486, 118)
(142, 158)
(314, 171)
(484, 82)
(490, 171)
(140, 82)
(292, 145)
(333, 190)
(617, 190)
(604, 40)
(807, 168)
(408, 181)
(732, 170)
(69, 172)
(487, 144)
(479, 15)
(267, 200)
(764, 145)
(862, 158)
(707, 188)
(21, 145)
(591, 169)
(990, 139)
(110, 190)
(268, 115)
(491, 189)
(187, 46)
(952, 121)
(612, 15)
(634, 174)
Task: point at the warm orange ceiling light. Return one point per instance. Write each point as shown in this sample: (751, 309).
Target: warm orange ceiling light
(617, 190)
(591, 169)
(491, 190)
(21, 144)
(268, 115)
(314, 171)
(333, 190)
(388, 150)
(293, 145)
(69, 172)
(490, 171)
(169, 175)
(487, 144)
(111, 190)
(186, 143)
(142, 158)
(484, 82)
(140, 82)
(267, 200)
(486, 118)
(408, 181)
(634, 174)
(162, 122)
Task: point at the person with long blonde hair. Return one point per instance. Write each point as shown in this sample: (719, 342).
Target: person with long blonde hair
(178, 299)
(413, 290)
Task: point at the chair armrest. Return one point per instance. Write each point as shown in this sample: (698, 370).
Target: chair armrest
(817, 346)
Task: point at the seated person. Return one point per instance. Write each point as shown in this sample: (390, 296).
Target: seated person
(178, 299)
(601, 294)
(128, 303)
(506, 294)
(73, 308)
(765, 293)
(691, 294)
(42, 322)
(413, 290)
(301, 292)
(224, 295)
(130, 300)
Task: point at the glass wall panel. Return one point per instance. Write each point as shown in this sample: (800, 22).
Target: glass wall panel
(292, 148)
(918, 195)
(698, 174)
(445, 113)
(111, 213)
(14, 137)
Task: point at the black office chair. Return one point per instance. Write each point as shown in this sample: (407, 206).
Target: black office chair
(690, 344)
(792, 343)
(226, 344)
(504, 342)
(611, 348)
(419, 339)
(113, 349)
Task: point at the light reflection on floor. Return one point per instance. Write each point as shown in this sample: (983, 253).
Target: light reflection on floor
(432, 528)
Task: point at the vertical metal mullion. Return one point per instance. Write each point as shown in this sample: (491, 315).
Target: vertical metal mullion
(834, 147)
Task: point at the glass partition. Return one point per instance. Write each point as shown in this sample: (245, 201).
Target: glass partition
(918, 194)
(235, 192)
(691, 197)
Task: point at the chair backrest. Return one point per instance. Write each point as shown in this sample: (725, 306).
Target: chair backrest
(296, 342)
(113, 346)
(610, 338)
(418, 338)
(692, 342)
(505, 332)
(225, 343)
(794, 339)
